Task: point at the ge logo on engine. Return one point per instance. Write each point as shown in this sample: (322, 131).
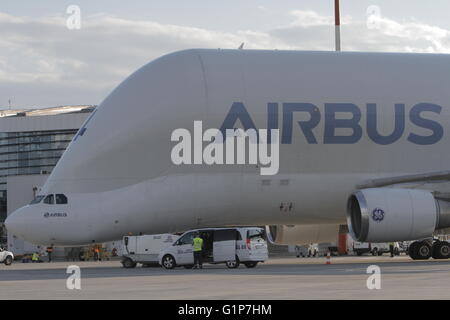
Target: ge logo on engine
(377, 214)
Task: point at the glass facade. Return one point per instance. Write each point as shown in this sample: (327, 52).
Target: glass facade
(31, 152)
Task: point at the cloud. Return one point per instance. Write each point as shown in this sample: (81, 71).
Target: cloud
(44, 63)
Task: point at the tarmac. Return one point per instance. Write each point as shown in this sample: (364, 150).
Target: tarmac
(278, 278)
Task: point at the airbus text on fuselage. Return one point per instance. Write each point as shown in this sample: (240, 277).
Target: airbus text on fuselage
(341, 116)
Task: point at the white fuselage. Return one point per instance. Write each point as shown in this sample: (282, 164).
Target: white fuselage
(343, 118)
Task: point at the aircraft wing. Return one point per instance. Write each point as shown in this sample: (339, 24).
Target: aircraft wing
(422, 178)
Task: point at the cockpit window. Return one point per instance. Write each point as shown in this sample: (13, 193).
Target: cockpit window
(50, 199)
(61, 199)
(38, 199)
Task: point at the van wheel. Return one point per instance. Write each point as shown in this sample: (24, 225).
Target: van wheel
(168, 262)
(250, 264)
(375, 252)
(233, 264)
(128, 263)
(8, 260)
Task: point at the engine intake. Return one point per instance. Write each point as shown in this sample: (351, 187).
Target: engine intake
(388, 214)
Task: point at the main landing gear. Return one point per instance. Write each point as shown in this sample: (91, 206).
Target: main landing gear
(425, 249)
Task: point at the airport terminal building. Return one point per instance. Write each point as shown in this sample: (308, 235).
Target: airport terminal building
(31, 143)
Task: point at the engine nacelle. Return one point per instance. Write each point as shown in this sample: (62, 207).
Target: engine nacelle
(388, 214)
(302, 234)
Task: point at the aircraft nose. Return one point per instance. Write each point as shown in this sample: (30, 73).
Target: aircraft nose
(16, 223)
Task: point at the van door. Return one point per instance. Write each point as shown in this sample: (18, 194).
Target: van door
(224, 245)
(130, 244)
(184, 252)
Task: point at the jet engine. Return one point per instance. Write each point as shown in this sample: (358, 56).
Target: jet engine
(389, 214)
(302, 234)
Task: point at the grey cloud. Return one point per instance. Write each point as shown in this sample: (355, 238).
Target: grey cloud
(44, 63)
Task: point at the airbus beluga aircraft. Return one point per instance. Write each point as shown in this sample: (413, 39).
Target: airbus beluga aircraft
(363, 141)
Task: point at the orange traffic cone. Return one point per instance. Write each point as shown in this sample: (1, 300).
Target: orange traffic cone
(328, 258)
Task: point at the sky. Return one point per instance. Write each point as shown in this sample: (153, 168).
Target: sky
(43, 63)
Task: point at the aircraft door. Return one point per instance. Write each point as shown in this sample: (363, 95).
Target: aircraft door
(224, 245)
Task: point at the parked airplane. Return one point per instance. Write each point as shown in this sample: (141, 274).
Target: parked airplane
(362, 139)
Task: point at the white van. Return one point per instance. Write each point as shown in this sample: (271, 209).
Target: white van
(145, 249)
(6, 257)
(231, 246)
(379, 248)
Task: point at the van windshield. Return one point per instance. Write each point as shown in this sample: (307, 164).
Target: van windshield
(186, 239)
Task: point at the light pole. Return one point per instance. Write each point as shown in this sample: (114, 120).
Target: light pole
(337, 26)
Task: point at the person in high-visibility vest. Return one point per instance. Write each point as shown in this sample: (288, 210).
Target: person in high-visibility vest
(197, 244)
(35, 257)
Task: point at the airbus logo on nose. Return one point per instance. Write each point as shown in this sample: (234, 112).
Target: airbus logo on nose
(56, 214)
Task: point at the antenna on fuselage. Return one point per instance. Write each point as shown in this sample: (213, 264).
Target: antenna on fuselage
(337, 26)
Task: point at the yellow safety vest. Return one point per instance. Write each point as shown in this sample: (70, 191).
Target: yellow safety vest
(198, 243)
(35, 257)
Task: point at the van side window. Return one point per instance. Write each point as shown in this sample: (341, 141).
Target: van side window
(61, 199)
(225, 235)
(50, 199)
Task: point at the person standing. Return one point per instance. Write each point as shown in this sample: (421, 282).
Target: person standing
(197, 244)
(35, 257)
(49, 253)
(96, 253)
(391, 249)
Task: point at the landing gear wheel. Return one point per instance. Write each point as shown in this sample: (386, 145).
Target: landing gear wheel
(233, 264)
(441, 250)
(128, 263)
(250, 264)
(8, 261)
(412, 250)
(422, 250)
(168, 262)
